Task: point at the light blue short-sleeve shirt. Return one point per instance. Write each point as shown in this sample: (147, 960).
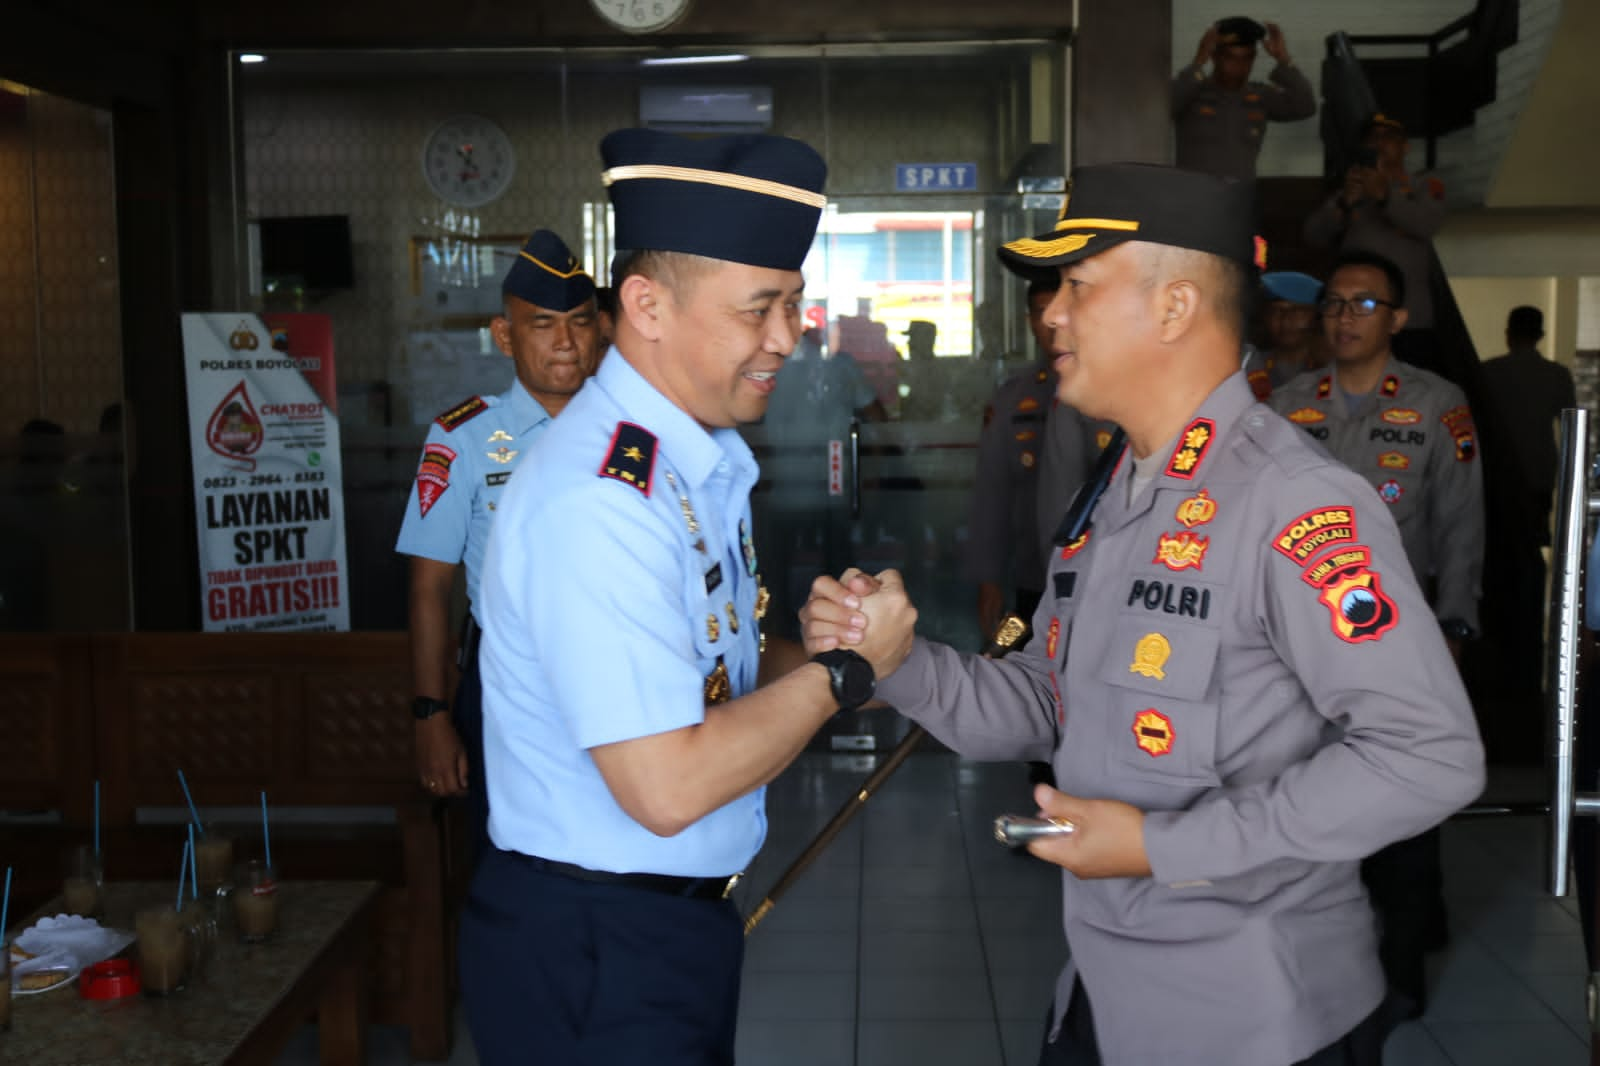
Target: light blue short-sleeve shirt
(467, 460)
(614, 587)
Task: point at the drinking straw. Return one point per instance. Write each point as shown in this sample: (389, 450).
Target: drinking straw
(266, 836)
(193, 813)
(182, 869)
(97, 817)
(194, 862)
(5, 906)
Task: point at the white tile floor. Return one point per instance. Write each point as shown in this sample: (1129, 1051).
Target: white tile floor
(915, 939)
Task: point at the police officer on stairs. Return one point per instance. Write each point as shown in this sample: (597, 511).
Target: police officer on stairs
(1410, 435)
(627, 740)
(549, 331)
(1239, 682)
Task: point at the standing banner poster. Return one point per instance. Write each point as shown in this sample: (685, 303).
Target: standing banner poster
(268, 486)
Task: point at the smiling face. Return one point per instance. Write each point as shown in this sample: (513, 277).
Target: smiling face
(724, 332)
(1103, 332)
(555, 352)
(1355, 340)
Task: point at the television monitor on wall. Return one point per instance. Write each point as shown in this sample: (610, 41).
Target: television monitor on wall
(309, 251)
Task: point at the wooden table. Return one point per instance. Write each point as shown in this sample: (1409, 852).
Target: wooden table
(242, 1009)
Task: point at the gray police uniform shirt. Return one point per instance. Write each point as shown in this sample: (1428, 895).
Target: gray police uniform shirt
(1003, 543)
(1072, 442)
(1400, 229)
(1254, 668)
(467, 460)
(1220, 130)
(1415, 443)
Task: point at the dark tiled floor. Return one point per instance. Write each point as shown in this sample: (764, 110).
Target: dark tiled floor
(915, 939)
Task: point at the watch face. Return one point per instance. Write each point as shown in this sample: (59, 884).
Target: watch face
(468, 161)
(640, 16)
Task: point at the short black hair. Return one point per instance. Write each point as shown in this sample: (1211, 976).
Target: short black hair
(1043, 281)
(1525, 323)
(1396, 278)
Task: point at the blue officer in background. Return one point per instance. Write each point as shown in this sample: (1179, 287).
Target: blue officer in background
(628, 744)
(549, 329)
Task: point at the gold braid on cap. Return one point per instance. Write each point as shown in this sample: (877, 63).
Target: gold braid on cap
(576, 270)
(715, 177)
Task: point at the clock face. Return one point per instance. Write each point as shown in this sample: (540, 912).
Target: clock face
(640, 16)
(468, 161)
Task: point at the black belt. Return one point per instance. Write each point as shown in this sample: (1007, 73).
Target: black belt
(467, 647)
(666, 884)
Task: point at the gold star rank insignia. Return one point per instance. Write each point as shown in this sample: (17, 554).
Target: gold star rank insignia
(713, 627)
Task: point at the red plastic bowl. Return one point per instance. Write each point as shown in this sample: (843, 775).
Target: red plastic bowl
(112, 979)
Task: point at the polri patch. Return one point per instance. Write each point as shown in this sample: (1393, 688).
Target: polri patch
(1359, 610)
(462, 412)
(632, 460)
(1326, 527)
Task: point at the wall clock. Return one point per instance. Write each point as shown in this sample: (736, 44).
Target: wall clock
(640, 16)
(468, 161)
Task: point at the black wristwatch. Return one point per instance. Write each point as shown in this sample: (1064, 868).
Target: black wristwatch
(1457, 629)
(425, 707)
(850, 676)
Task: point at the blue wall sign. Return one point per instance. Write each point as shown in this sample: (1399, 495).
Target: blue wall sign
(935, 177)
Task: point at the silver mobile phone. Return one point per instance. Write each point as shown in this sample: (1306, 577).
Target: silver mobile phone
(1015, 830)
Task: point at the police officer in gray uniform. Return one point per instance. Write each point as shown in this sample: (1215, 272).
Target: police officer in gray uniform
(1410, 434)
(1004, 513)
(1239, 682)
(1222, 117)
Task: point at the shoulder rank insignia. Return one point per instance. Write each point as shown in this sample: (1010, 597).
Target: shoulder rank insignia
(1191, 449)
(1391, 385)
(1325, 387)
(633, 456)
(462, 413)
(1305, 416)
(1152, 731)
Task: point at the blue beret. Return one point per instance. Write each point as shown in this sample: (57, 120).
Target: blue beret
(547, 275)
(1118, 202)
(749, 198)
(1293, 286)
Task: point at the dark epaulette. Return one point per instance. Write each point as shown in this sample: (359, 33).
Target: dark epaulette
(633, 456)
(462, 413)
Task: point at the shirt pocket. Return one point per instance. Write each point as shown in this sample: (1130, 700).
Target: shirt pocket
(1161, 721)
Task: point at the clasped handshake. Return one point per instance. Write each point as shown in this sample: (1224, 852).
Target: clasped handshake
(868, 614)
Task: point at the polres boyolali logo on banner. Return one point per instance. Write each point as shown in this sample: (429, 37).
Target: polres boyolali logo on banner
(234, 430)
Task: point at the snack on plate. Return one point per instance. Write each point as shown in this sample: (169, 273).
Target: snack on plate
(40, 980)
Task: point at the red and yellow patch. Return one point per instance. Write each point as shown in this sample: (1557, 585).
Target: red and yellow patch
(1191, 449)
(1402, 416)
(1325, 387)
(1052, 636)
(1458, 420)
(1306, 415)
(1359, 610)
(1319, 572)
(1197, 510)
(433, 475)
(1026, 435)
(465, 411)
(1260, 248)
(1027, 403)
(1390, 386)
(1325, 527)
(1075, 547)
(1394, 461)
(1152, 731)
(1260, 383)
(1182, 551)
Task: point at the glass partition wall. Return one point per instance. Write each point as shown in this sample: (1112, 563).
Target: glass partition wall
(937, 153)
